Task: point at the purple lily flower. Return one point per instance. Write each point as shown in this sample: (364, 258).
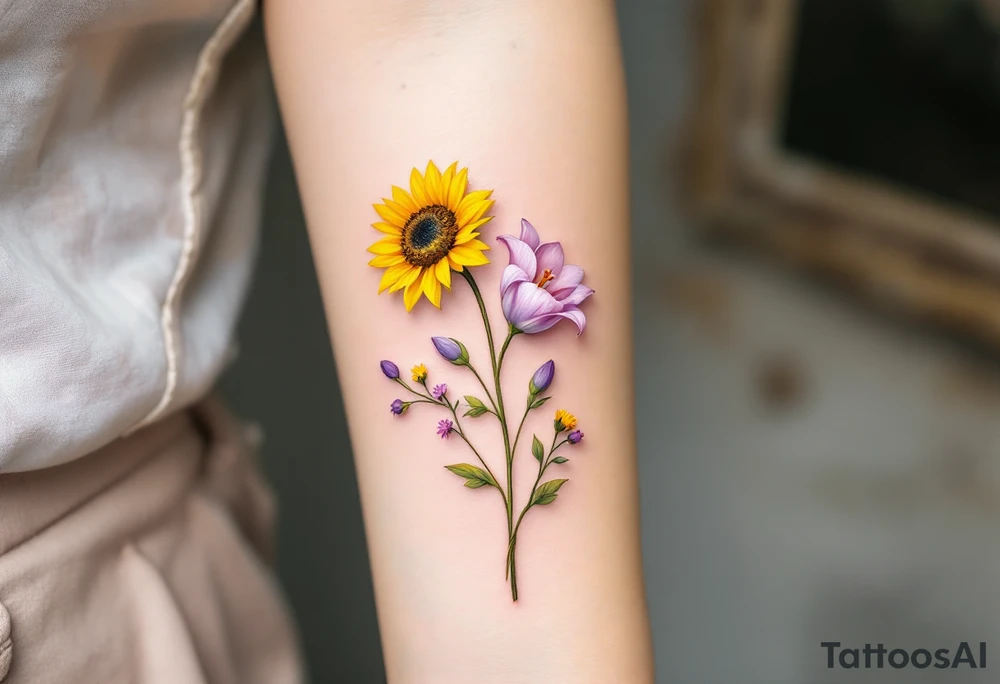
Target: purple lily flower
(537, 288)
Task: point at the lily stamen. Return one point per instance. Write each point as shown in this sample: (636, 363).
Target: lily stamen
(546, 277)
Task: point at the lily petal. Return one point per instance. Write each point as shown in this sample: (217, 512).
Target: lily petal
(569, 277)
(521, 255)
(529, 235)
(512, 274)
(550, 258)
(525, 301)
(546, 321)
(573, 297)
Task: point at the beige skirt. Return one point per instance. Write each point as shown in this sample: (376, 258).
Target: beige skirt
(145, 563)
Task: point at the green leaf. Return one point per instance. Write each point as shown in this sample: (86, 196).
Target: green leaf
(537, 449)
(473, 402)
(546, 492)
(559, 459)
(475, 477)
(538, 402)
(476, 411)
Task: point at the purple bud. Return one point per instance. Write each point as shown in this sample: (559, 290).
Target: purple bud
(451, 349)
(542, 378)
(397, 406)
(390, 369)
(574, 437)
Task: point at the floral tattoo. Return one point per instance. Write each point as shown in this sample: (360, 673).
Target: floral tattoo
(432, 230)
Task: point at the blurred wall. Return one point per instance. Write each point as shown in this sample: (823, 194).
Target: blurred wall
(810, 472)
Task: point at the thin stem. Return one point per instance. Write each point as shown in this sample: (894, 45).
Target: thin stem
(512, 545)
(498, 405)
(428, 399)
(517, 435)
(485, 388)
(461, 433)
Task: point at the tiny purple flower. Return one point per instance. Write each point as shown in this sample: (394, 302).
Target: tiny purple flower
(439, 390)
(445, 427)
(451, 349)
(542, 378)
(575, 437)
(390, 369)
(397, 406)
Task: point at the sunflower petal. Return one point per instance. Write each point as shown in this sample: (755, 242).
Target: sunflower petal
(418, 188)
(469, 231)
(391, 275)
(442, 270)
(389, 215)
(403, 199)
(387, 228)
(412, 294)
(455, 266)
(474, 212)
(384, 261)
(446, 180)
(457, 191)
(398, 209)
(467, 256)
(387, 246)
(474, 197)
(431, 287)
(432, 180)
(476, 244)
(405, 279)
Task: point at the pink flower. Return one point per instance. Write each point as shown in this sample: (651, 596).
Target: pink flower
(537, 288)
(445, 428)
(439, 390)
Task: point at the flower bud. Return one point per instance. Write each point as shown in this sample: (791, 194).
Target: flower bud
(542, 378)
(451, 349)
(574, 437)
(390, 369)
(397, 406)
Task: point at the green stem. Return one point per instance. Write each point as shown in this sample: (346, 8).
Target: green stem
(428, 399)
(485, 388)
(542, 467)
(461, 433)
(498, 405)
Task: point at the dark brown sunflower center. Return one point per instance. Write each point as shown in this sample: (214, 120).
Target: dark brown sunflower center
(428, 235)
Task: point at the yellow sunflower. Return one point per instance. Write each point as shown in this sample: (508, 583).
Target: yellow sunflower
(430, 231)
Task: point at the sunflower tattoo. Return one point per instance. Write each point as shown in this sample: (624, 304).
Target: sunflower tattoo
(431, 231)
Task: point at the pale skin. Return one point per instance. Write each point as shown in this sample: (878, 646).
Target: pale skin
(529, 95)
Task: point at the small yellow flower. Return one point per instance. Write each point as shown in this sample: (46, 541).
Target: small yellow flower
(565, 421)
(420, 373)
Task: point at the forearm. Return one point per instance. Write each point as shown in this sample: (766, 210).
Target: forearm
(529, 96)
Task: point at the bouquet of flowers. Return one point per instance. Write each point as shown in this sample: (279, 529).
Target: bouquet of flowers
(432, 230)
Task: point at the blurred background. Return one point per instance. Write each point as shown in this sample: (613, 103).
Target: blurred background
(812, 468)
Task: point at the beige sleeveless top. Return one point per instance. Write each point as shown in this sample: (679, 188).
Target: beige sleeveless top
(133, 136)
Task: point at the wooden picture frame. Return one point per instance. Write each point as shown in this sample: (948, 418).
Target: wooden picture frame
(924, 258)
